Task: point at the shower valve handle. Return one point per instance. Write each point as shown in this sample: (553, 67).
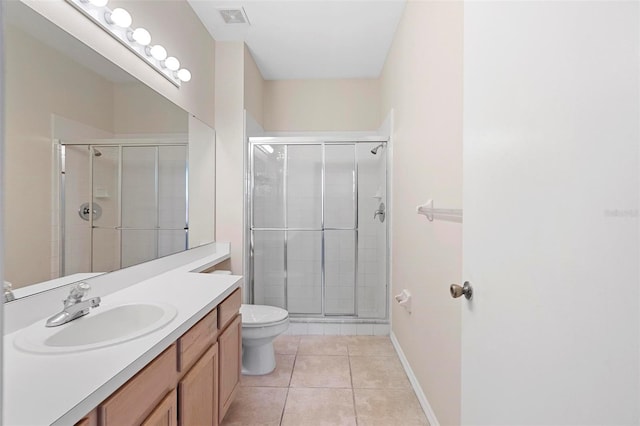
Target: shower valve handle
(380, 212)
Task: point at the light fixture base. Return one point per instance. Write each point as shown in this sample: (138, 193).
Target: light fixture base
(97, 15)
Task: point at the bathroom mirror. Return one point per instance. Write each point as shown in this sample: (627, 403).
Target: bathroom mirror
(83, 135)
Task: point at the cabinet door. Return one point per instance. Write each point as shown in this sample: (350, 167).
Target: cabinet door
(230, 342)
(136, 399)
(198, 391)
(166, 413)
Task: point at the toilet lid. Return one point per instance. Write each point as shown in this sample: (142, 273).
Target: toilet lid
(258, 315)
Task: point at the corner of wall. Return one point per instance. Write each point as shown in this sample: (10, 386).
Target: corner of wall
(253, 87)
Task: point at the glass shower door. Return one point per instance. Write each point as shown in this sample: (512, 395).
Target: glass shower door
(172, 194)
(303, 221)
(268, 230)
(105, 236)
(340, 224)
(139, 204)
(315, 247)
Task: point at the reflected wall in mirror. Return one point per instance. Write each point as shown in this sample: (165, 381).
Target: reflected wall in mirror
(82, 133)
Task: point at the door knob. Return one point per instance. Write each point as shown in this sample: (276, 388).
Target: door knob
(457, 291)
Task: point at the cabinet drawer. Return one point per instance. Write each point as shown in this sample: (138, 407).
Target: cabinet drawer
(195, 341)
(135, 400)
(229, 308)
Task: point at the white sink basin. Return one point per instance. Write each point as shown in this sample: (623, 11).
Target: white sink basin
(103, 326)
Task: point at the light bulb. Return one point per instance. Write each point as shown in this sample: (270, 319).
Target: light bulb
(118, 17)
(172, 63)
(140, 36)
(158, 52)
(184, 75)
(99, 3)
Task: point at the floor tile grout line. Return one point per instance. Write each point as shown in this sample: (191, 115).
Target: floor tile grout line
(353, 394)
(295, 357)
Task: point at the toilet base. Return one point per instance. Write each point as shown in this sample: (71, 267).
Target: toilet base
(258, 360)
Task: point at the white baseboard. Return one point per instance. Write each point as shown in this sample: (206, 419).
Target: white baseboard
(422, 398)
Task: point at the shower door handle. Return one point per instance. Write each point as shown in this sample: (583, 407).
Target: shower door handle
(380, 213)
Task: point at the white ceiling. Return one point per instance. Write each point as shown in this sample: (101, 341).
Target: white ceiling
(310, 39)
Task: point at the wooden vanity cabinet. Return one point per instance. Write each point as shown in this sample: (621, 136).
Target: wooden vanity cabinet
(230, 349)
(192, 383)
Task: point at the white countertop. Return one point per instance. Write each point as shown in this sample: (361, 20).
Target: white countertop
(61, 389)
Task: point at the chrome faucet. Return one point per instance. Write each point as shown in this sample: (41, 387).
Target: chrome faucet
(74, 306)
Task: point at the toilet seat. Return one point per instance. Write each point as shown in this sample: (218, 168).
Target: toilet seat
(262, 315)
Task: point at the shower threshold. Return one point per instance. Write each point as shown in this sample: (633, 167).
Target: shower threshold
(341, 326)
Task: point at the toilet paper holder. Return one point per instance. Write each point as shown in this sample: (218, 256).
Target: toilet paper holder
(404, 299)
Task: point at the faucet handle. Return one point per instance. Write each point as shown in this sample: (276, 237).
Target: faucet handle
(8, 293)
(77, 292)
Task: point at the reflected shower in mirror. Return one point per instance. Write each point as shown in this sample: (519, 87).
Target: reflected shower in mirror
(84, 136)
(138, 195)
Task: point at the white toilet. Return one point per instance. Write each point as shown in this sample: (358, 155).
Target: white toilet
(260, 325)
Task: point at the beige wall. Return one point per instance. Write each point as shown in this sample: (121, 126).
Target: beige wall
(39, 83)
(322, 105)
(253, 88)
(173, 24)
(229, 96)
(422, 82)
(139, 109)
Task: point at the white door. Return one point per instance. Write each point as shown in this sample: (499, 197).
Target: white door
(551, 119)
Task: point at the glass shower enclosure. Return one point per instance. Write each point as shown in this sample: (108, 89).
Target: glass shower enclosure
(318, 234)
(138, 196)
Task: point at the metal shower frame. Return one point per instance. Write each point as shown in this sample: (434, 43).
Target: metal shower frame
(250, 185)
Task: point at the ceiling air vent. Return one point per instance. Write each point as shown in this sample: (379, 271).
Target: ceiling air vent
(234, 16)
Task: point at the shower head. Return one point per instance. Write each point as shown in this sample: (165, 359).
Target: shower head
(374, 151)
(96, 152)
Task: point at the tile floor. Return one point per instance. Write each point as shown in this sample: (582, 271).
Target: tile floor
(329, 380)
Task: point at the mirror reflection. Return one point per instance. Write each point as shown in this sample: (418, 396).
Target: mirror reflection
(83, 136)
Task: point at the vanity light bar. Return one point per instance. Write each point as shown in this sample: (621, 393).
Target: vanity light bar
(118, 23)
